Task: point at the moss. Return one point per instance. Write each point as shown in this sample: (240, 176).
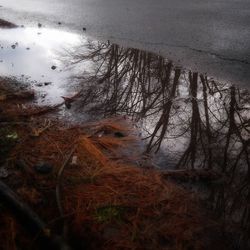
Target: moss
(109, 213)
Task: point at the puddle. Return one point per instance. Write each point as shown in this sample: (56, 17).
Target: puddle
(188, 119)
(35, 55)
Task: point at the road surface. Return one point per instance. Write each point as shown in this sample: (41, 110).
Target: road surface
(210, 36)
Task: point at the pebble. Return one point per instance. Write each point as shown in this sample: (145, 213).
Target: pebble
(4, 173)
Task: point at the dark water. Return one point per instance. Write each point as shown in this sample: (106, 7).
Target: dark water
(206, 36)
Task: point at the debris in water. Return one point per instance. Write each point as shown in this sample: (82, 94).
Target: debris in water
(6, 24)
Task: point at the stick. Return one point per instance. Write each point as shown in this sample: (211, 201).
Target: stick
(58, 187)
(29, 219)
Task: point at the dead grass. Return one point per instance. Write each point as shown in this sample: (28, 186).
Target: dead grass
(109, 204)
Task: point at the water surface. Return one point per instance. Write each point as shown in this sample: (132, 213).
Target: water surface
(35, 55)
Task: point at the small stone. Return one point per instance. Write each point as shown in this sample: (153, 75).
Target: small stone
(4, 173)
(74, 160)
(13, 46)
(43, 168)
(53, 67)
(84, 29)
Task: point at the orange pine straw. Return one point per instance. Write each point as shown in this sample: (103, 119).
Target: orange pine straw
(112, 203)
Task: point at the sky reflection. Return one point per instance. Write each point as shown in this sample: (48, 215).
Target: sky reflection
(29, 54)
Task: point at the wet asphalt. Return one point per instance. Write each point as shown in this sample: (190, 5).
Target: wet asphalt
(208, 36)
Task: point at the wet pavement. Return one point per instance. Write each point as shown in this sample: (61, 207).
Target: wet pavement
(208, 36)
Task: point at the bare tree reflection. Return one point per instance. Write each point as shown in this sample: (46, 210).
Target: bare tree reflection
(209, 120)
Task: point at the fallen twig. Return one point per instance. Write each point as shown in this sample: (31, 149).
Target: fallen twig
(58, 188)
(29, 219)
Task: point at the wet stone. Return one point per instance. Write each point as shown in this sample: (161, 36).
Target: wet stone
(4, 173)
(43, 168)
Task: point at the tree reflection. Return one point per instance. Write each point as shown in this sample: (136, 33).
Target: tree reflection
(203, 123)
